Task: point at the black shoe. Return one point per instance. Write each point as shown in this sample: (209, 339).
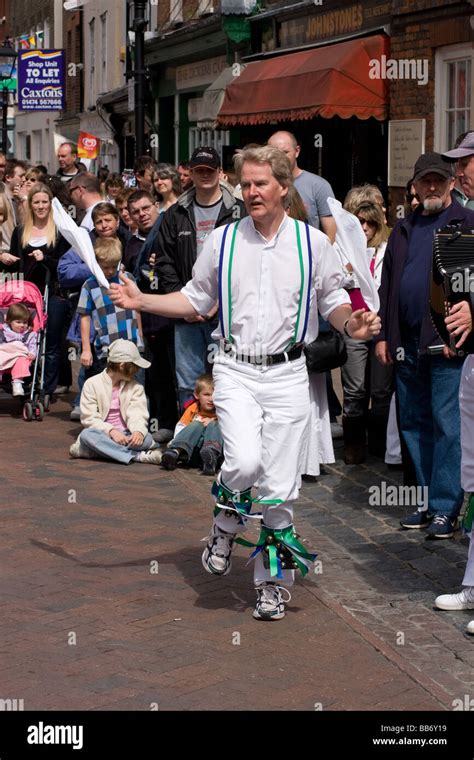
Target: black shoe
(309, 478)
(209, 459)
(170, 459)
(442, 526)
(418, 519)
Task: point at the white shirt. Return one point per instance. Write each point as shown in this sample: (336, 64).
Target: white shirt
(87, 220)
(266, 284)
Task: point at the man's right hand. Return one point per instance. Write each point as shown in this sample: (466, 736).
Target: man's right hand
(382, 353)
(86, 358)
(127, 295)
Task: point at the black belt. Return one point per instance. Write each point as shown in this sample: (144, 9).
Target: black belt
(267, 361)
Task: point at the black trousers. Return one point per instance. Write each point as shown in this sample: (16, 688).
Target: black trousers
(160, 379)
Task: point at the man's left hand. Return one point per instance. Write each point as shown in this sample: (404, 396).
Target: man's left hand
(364, 325)
(459, 321)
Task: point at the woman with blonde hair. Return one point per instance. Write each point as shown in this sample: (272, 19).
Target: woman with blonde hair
(38, 246)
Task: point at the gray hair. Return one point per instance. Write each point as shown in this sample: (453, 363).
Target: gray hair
(266, 154)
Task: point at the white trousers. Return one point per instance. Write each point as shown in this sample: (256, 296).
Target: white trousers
(263, 415)
(466, 405)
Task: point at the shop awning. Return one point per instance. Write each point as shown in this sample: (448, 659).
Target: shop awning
(328, 81)
(213, 98)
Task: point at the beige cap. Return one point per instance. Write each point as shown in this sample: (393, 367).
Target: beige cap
(126, 351)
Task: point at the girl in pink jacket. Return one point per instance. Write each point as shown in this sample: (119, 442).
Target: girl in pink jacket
(18, 345)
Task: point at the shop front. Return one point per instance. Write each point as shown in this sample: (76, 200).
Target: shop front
(310, 74)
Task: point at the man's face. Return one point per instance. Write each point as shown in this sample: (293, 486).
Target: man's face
(434, 192)
(145, 180)
(262, 193)
(106, 226)
(77, 196)
(465, 175)
(205, 178)
(66, 157)
(16, 179)
(285, 143)
(185, 177)
(144, 213)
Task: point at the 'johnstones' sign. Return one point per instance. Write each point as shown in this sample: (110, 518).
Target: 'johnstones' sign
(41, 80)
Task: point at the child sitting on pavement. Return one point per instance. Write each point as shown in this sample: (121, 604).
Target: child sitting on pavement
(197, 432)
(114, 411)
(95, 306)
(18, 345)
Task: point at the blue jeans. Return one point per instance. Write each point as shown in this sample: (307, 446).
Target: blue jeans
(191, 342)
(428, 390)
(196, 436)
(59, 312)
(102, 444)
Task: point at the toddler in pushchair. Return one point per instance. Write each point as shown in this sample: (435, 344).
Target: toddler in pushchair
(22, 345)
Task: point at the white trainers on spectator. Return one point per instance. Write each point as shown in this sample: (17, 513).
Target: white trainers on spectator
(61, 390)
(462, 601)
(163, 435)
(17, 388)
(75, 413)
(152, 456)
(470, 627)
(79, 451)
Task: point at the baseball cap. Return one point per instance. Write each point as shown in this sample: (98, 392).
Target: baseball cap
(432, 163)
(466, 148)
(205, 157)
(125, 351)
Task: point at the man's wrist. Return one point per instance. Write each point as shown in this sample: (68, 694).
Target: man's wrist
(345, 329)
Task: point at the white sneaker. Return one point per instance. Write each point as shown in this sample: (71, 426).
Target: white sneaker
(75, 414)
(216, 557)
(470, 627)
(79, 451)
(17, 386)
(270, 603)
(61, 390)
(152, 456)
(462, 601)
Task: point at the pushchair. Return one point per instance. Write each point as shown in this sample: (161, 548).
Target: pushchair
(12, 290)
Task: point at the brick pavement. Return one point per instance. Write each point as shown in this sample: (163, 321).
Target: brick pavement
(105, 604)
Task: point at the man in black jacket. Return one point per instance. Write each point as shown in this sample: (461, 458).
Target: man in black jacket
(185, 226)
(427, 383)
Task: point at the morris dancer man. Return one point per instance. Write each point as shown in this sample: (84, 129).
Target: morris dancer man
(270, 275)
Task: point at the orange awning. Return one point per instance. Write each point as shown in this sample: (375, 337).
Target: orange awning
(328, 81)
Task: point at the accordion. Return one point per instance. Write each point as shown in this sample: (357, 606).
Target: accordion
(452, 280)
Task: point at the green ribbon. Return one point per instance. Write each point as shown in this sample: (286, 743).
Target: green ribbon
(241, 502)
(469, 516)
(285, 536)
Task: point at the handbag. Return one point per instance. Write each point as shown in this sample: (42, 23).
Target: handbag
(327, 352)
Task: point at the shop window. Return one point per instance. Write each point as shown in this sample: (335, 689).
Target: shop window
(216, 138)
(453, 94)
